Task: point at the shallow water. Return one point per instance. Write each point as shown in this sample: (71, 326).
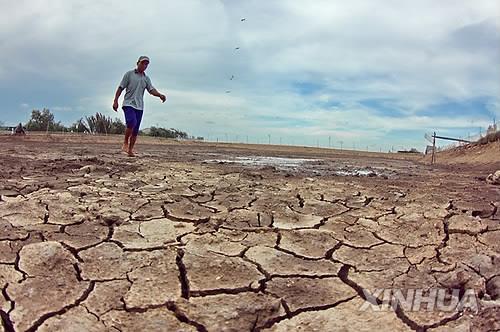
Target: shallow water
(313, 166)
(264, 161)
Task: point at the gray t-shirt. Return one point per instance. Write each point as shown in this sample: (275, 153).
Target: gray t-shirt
(134, 85)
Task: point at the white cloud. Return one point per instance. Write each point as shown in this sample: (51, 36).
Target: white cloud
(61, 108)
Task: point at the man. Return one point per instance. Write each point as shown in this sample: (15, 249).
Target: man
(19, 130)
(134, 83)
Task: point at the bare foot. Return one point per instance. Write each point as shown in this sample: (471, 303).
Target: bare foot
(125, 148)
(130, 153)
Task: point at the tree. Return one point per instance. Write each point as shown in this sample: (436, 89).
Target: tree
(101, 124)
(167, 133)
(79, 127)
(43, 121)
(118, 127)
(98, 124)
(40, 120)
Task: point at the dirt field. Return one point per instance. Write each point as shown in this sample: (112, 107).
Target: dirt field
(488, 154)
(220, 237)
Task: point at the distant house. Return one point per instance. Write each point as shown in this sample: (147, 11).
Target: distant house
(19, 129)
(9, 129)
(412, 150)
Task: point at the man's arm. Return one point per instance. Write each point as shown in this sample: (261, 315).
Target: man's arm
(117, 95)
(155, 93)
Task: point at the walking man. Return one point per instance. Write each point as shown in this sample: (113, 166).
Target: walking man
(134, 83)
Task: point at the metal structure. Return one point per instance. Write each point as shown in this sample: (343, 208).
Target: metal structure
(432, 139)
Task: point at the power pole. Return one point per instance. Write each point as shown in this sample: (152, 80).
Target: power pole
(433, 147)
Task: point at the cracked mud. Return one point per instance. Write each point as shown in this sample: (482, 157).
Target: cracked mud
(92, 240)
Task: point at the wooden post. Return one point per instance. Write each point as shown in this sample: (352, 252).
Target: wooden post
(433, 146)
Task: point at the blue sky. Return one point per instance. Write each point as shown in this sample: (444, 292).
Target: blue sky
(376, 74)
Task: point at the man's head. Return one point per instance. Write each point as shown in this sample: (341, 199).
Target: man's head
(142, 63)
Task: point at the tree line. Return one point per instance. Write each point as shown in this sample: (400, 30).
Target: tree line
(44, 120)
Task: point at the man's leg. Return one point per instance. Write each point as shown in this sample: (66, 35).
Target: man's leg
(135, 132)
(131, 122)
(128, 133)
(131, 145)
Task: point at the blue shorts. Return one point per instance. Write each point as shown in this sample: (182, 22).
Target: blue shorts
(133, 118)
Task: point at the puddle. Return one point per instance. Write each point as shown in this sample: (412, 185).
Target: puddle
(315, 167)
(357, 172)
(280, 163)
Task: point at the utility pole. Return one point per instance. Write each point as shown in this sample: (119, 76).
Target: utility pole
(329, 141)
(433, 147)
(269, 136)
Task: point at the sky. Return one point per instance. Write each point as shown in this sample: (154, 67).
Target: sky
(363, 74)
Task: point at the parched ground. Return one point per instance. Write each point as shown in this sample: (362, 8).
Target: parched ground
(187, 238)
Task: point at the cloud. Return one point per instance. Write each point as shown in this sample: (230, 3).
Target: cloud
(357, 70)
(61, 108)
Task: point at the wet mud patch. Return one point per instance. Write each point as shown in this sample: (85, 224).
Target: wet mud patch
(303, 166)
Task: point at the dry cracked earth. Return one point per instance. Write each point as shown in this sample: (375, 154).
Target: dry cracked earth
(92, 240)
